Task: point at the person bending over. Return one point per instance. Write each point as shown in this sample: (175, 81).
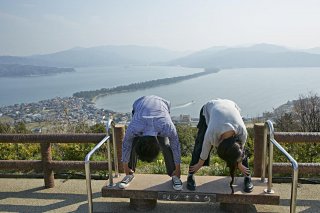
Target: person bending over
(221, 126)
(150, 131)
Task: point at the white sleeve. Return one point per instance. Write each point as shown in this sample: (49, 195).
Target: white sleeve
(243, 137)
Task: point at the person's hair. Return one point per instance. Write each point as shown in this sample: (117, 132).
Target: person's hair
(147, 148)
(230, 151)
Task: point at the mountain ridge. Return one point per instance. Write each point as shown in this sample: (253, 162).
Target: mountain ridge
(97, 56)
(257, 55)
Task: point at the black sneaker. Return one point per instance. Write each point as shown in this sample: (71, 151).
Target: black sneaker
(191, 183)
(126, 181)
(248, 186)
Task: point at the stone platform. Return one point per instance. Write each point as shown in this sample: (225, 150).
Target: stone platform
(146, 189)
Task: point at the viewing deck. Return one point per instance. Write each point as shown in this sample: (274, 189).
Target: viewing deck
(27, 195)
(212, 194)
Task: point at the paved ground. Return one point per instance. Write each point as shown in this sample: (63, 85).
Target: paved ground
(28, 195)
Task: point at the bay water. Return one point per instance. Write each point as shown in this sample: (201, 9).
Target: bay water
(33, 89)
(255, 90)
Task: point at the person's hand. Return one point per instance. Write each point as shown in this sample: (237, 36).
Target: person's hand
(196, 167)
(244, 170)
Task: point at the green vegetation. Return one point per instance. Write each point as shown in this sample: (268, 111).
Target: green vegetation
(61, 151)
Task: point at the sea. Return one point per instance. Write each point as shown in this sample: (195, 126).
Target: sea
(255, 90)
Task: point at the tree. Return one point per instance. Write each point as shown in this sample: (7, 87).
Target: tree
(286, 122)
(98, 128)
(187, 135)
(304, 117)
(307, 111)
(5, 128)
(20, 128)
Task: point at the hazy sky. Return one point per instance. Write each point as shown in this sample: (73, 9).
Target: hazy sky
(40, 26)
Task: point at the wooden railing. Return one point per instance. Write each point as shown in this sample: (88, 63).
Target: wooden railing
(49, 166)
(283, 137)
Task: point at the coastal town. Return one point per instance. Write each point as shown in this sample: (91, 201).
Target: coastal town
(69, 110)
(63, 110)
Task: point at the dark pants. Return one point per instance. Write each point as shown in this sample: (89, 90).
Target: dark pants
(165, 149)
(202, 128)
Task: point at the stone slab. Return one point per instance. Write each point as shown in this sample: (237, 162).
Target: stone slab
(209, 189)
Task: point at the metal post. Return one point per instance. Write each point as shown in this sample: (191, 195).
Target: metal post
(110, 166)
(294, 188)
(89, 189)
(87, 165)
(115, 154)
(264, 155)
(109, 124)
(294, 164)
(269, 189)
(271, 137)
(88, 173)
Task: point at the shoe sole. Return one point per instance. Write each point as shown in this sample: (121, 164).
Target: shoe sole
(126, 186)
(179, 188)
(249, 190)
(191, 188)
(122, 186)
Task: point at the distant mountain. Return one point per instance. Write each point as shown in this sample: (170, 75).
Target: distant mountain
(98, 56)
(263, 47)
(260, 55)
(20, 60)
(16, 70)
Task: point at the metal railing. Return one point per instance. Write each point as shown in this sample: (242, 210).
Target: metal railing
(109, 124)
(294, 164)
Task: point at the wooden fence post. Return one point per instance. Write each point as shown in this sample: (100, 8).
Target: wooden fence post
(46, 160)
(119, 131)
(258, 148)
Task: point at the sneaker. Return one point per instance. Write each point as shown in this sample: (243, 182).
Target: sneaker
(191, 183)
(248, 186)
(176, 183)
(126, 181)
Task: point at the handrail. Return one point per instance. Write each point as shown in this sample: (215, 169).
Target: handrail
(109, 124)
(269, 126)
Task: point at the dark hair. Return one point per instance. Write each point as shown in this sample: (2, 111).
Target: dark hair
(147, 148)
(230, 151)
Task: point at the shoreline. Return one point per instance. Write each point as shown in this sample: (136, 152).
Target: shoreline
(141, 85)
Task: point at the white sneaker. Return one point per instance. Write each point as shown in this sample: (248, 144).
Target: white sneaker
(126, 181)
(176, 183)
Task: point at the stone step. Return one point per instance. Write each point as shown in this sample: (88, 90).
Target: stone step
(209, 189)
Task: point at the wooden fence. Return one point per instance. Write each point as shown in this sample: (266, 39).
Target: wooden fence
(284, 137)
(49, 166)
